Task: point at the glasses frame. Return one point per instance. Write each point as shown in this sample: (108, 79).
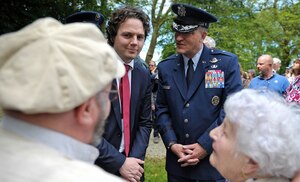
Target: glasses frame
(113, 93)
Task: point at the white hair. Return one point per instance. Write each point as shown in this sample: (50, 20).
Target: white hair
(209, 42)
(276, 61)
(268, 130)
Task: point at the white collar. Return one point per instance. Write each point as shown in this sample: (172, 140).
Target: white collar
(64, 144)
(195, 59)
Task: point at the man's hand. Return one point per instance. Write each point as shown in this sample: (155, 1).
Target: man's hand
(193, 154)
(131, 169)
(178, 150)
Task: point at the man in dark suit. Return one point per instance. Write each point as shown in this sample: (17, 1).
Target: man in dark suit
(126, 136)
(193, 87)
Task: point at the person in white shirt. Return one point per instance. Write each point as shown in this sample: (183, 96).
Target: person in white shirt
(55, 86)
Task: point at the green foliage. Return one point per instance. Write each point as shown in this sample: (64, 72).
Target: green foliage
(250, 28)
(155, 170)
(246, 28)
(17, 14)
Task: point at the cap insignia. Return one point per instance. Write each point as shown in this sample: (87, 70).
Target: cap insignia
(181, 10)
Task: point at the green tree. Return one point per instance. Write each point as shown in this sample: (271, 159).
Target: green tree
(17, 14)
(247, 28)
(250, 28)
(158, 18)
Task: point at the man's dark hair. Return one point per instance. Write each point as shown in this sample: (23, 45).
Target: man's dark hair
(120, 15)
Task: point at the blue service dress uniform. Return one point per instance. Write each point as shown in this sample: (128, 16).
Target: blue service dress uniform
(188, 115)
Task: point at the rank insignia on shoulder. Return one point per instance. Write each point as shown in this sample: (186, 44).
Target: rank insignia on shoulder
(214, 60)
(215, 100)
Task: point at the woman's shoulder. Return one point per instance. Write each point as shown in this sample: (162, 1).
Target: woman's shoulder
(268, 180)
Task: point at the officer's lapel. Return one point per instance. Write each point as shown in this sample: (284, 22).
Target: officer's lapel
(199, 73)
(179, 76)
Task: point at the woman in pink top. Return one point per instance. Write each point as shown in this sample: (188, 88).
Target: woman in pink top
(293, 91)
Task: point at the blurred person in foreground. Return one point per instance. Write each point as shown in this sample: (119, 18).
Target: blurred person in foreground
(267, 78)
(55, 87)
(293, 91)
(258, 140)
(297, 177)
(126, 137)
(193, 85)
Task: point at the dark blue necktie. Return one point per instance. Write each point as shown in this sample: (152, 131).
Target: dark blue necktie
(189, 73)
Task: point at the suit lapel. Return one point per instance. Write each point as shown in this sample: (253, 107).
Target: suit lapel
(116, 107)
(179, 76)
(135, 84)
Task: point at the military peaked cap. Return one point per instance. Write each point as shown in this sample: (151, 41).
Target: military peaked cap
(190, 18)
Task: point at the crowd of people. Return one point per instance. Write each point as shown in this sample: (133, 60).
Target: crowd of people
(79, 107)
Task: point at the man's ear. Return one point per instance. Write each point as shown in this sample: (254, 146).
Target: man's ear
(204, 34)
(84, 113)
(250, 168)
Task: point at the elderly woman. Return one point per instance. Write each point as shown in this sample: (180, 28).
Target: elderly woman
(258, 140)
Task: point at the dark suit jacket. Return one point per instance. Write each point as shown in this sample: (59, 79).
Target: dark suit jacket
(187, 116)
(110, 158)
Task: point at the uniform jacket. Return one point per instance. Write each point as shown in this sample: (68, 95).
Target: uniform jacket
(110, 158)
(24, 160)
(187, 116)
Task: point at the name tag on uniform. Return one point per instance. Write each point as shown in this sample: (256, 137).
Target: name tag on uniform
(166, 87)
(214, 79)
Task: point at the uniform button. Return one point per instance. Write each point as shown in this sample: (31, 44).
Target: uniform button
(186, 120)
(187, 135)
(187, 105)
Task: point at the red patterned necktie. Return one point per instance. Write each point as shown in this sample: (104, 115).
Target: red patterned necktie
(125, 102)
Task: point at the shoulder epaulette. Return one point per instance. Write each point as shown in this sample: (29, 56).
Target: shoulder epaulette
(216, 51)
(172, 57)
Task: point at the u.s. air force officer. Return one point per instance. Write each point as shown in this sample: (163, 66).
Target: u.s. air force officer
(193, 87)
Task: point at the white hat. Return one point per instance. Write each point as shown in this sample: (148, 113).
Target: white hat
(48, 67)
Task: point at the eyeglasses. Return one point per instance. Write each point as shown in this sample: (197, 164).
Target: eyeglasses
(151, 65)
(113, 93)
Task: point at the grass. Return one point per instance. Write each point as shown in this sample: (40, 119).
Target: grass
(155, 170)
